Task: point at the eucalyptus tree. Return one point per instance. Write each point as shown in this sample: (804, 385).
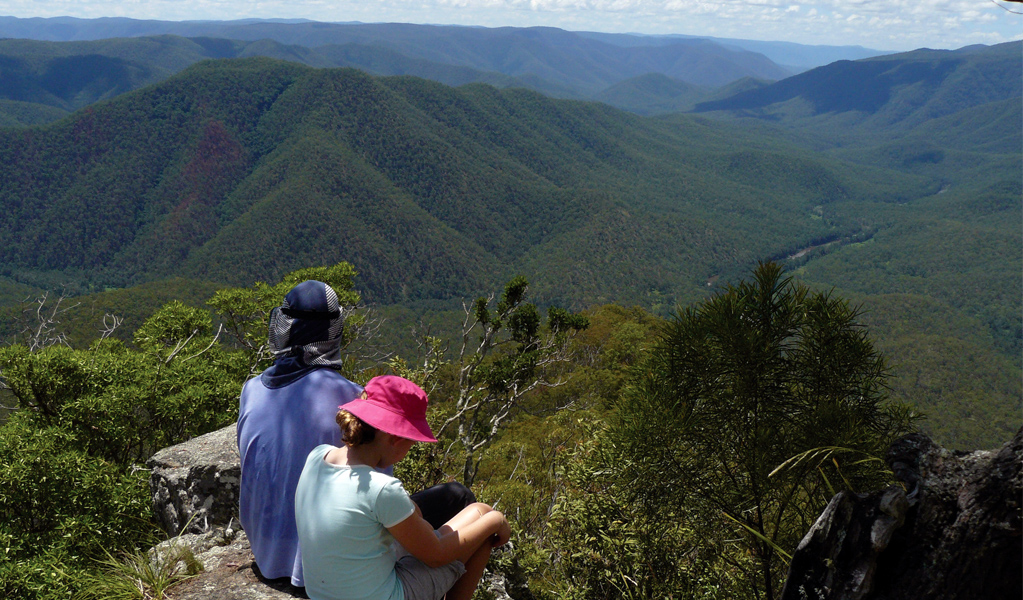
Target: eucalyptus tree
(506, 352)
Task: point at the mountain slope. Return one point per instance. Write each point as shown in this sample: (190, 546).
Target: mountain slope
(185, 179)
(583, 64)
(899, 90)
(792, 56)
(245, 169)
(652, 94)
(69, 76)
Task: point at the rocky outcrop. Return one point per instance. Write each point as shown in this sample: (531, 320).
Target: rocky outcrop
(218, 564)
(951, 530)
(195, 484)
(195, 498)
(504, 578)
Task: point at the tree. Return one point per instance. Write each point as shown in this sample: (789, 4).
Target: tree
(764, 372)
(505, 354)
(245, 312)
(71, 487)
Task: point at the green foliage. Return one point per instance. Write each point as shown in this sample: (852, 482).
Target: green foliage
(609, 546)
(740, 384)
(245, 312)
(62, 509)
(93, 313)
(124, 405)
(72, 491)
(143, 575)
(505, 355)
(173, 326)
(524, 470)
(71, 488)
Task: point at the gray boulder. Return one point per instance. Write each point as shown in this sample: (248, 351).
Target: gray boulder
(951, 530)
(195, 484)
(218, 564)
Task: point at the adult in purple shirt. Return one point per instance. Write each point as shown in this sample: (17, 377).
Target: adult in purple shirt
(284, 413)
(287, 411)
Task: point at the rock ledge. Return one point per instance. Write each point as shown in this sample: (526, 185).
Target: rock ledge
(950, 531)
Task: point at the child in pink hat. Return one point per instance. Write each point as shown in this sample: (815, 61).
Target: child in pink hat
(349, 514)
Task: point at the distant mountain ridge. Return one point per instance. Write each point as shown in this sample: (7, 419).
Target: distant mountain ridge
(43, 81)
(900, 90)
(62, 29)
(574, 61)
(792, 56)
(643, 74)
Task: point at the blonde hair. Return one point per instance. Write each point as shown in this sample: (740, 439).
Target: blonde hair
(354, 431)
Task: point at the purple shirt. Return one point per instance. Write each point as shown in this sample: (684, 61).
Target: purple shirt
(277, 428)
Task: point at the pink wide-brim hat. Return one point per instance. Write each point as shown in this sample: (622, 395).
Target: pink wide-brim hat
(394, 405)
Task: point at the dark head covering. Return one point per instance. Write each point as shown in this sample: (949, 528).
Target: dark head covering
(305, 333)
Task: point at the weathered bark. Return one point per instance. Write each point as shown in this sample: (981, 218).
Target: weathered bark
(951, 531)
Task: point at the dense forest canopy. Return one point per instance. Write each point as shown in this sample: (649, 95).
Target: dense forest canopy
(167, 219)
(434, 193)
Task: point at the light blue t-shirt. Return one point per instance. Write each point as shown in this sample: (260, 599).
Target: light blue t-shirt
(342, 515)
(277, 427)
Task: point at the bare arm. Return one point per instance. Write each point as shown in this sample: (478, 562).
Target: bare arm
(459, 543)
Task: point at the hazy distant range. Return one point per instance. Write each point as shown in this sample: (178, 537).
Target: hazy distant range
(791, 57)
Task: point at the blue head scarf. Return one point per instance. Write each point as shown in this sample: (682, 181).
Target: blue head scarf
(305, 333)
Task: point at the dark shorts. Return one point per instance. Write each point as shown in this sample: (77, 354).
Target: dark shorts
(442, 502)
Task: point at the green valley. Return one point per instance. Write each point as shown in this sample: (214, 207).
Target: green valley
(243, 170)
(796, 266)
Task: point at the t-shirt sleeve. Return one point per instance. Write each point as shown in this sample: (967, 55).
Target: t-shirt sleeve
(393, 504)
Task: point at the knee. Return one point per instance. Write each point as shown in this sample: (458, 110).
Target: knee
(481, 507)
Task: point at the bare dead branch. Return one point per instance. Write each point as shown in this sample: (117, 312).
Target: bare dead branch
(110, 324)
(364, 336)
(179, 346)
(216, 337)
(46, 316)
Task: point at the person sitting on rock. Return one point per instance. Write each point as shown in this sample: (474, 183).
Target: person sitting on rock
(287, 411)
(350, 514)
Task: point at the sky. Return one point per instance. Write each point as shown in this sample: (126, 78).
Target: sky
(876, 24)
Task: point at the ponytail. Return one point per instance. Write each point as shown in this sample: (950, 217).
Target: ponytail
(354, 431)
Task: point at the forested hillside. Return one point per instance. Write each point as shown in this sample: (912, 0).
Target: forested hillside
(429, 191)
(942, 279)
(242, 170)
(887, 94)
(832, 269)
